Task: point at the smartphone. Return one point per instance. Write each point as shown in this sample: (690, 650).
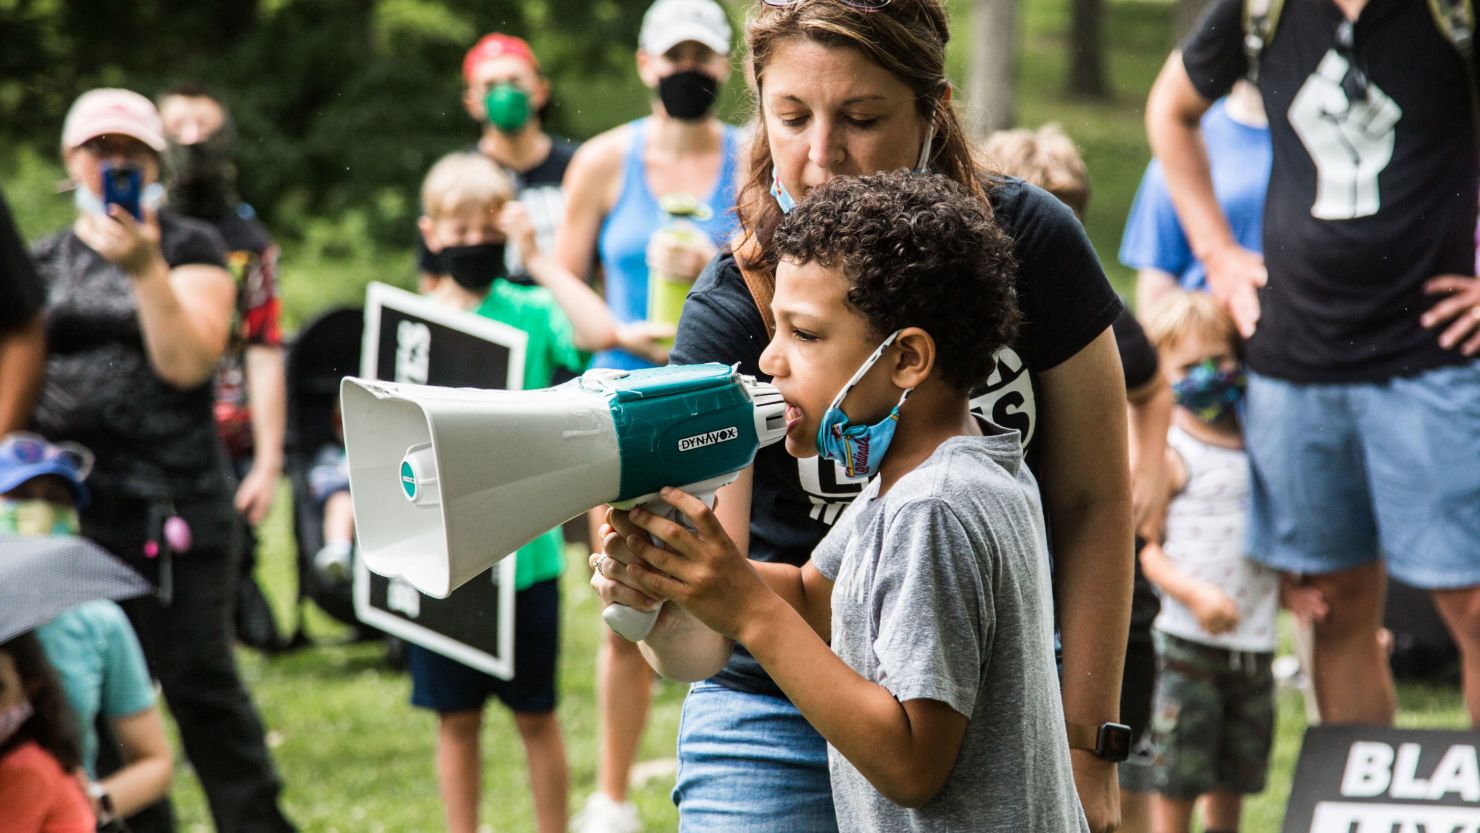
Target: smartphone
(123, 185)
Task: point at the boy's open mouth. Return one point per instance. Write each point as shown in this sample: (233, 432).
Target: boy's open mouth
(793, 416)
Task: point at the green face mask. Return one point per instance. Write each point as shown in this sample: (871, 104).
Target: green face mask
(508, 108)
(37, 517)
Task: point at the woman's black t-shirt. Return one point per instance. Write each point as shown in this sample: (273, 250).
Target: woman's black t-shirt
(1065, 300)
(152, 441)
(20, 291)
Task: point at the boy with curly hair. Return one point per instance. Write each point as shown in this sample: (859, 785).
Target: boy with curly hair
(940, 704)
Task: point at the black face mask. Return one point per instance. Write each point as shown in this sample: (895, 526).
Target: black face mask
(202, 181)
(688, 95)
(474, 267)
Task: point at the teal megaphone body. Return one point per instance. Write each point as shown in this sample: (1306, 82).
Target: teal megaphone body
(448, 481)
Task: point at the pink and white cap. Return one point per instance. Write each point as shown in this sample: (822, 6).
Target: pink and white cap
(113, 112)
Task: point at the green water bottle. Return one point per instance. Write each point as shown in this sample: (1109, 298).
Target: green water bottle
(666, 293)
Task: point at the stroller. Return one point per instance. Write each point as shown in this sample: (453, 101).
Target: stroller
(325, 351)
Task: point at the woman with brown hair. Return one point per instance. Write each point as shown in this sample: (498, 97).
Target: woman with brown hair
(39, 748)
(851, 87)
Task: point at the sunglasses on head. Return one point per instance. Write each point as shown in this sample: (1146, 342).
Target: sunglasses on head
(22, 448)
(861, 5)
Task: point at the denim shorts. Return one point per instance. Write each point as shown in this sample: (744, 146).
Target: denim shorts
(1343, 474)
(749, 763)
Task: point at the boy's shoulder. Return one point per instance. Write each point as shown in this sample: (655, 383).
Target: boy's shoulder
(964, 471)
(979, 486)
(976, 487)
(520, 305)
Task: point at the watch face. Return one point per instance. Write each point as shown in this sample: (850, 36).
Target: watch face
(1114, 742)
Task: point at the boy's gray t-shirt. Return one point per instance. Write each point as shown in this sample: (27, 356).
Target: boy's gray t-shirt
(941, 592)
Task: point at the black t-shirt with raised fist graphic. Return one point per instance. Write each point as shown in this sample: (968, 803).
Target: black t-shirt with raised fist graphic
(1066, 303)
(1373, 189)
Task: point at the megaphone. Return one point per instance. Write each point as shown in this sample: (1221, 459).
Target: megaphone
(446, 482)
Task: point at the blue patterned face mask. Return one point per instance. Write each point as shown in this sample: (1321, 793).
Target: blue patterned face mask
(1209, 393)
(786, 202)
(859, 448)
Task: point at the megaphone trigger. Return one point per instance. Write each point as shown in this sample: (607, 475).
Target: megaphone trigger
(630, 623)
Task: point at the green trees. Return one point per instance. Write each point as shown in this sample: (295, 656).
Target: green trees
(341, 104)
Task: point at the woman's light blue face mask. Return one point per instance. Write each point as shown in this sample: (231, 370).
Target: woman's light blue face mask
(786, 202)
(860, 449)
(86, 202)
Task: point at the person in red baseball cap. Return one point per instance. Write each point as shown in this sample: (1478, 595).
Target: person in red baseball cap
(506, 95)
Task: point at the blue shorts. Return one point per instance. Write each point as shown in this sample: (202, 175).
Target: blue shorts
(1343, 474)
(447, 686)
(749, 763)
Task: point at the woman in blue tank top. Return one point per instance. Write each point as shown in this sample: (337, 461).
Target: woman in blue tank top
(616, 180)
(613, 188)
(626, 245)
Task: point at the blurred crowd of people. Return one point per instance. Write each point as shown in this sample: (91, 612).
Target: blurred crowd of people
(1289, 414)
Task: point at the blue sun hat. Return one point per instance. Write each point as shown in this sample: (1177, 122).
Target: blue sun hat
(25, 456)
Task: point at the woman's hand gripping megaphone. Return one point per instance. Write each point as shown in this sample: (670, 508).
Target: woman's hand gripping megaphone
(631, 611)
(613, 584)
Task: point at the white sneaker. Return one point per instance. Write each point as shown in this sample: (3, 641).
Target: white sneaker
(333, 562)
(603, 815)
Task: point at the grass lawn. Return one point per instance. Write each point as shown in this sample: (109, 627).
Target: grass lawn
(355, 757)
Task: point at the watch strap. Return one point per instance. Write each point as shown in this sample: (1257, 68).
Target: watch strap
(1084, 736)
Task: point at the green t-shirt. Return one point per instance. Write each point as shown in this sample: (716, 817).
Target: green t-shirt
(551, 345)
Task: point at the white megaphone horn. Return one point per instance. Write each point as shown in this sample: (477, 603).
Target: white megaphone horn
(448, 481)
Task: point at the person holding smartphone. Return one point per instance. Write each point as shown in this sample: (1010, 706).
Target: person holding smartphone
(139, 307)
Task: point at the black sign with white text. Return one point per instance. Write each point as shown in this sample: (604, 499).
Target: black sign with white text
(1365, 779)
(411, 339)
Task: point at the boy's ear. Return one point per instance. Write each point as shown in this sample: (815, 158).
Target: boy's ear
(424, 225)
(915, 359)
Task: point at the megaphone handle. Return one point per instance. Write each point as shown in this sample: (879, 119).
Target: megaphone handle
(628, 622)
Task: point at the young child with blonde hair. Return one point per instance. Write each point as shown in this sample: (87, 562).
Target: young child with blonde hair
(1045, 157)
(1213, 716)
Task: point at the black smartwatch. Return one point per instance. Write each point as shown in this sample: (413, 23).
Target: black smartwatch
(1109, 741)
